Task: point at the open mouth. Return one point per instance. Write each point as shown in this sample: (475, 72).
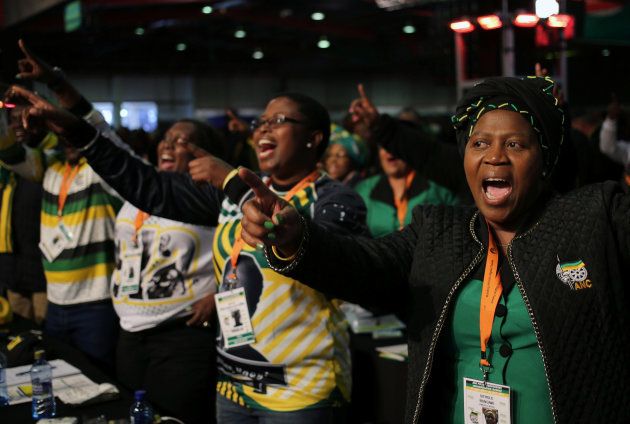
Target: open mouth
(265, 148)
(496, 190)
(167, 161)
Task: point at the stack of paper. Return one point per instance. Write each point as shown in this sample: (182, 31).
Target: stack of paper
(363, 321)
(69, 385)
(396, 352)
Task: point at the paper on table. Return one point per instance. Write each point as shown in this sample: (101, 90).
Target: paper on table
(21, 375)
(398, 352)
(78, 389)
(68, 384)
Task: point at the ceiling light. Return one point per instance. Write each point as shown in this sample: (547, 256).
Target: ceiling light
(139, 31)
(490, 22)
(258, 54)
(206, 10)
(323, 43)
(462, 26)
(409, 29)
(559, 21)
(526, 20)
(318, 16)
(180, 47)
(546, 8)
(240, 33)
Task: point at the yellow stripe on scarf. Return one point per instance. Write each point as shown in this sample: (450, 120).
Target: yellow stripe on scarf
(6, 244)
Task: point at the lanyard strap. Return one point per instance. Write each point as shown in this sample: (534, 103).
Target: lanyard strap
(138, 223)
(490, 295)
(68, 176)
(402, 204)
(238, 244)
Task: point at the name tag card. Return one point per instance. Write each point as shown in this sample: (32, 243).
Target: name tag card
(58, 240)
(486, 403)
(131, 269)
(234, 319)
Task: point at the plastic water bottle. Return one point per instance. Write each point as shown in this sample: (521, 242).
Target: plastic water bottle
(4, 394)
(141, 411)
(41, 380)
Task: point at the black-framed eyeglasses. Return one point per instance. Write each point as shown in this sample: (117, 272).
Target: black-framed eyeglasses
(273, 122)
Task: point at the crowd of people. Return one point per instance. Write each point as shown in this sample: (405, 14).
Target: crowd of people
(173, 265)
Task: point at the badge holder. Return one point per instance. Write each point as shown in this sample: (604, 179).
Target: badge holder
(131, 269)
(236, 325)
(55, 243)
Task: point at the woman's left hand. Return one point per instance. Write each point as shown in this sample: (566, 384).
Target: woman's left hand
(202, 311)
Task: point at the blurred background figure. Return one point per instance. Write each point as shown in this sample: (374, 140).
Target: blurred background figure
(391, 195)
(20, 258)
(345, 157)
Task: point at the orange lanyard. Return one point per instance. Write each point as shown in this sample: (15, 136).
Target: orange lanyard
(137, 224)
(402, 204)
(238, 244)
(68, 176)
(490, 295)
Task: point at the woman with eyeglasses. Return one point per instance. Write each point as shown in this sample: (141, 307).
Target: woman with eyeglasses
(163, 292)
(283, 348)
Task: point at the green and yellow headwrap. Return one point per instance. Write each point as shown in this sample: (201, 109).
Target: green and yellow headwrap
(532, 97)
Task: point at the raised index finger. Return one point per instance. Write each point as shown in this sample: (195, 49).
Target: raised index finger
(15, 91)
(362, 92)
(196, 151)
(24, 49)
(257, 185)
(230, 113)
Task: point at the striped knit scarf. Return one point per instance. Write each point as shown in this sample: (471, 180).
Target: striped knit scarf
(7, 189)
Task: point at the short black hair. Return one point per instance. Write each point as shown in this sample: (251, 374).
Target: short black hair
(315, 113)
(207, 137)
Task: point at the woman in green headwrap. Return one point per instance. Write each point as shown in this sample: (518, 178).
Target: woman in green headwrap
(519, 304)
(345, 156)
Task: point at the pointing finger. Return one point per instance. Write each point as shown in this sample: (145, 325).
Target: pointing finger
(230, 113)
(260, 188)
(196, 151)
(24, 49)
(362, 92)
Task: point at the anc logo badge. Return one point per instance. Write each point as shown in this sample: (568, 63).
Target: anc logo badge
(574, 275)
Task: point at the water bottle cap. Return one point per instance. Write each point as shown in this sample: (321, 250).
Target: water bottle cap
(39, 354)
(139, 394)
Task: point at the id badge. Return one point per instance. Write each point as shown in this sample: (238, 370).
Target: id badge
(131, 269)
(486, 403)
(234, 319)
(58, 240)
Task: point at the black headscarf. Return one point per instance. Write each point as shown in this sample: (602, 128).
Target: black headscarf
(532, 97)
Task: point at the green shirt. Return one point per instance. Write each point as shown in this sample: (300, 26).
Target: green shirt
(382, 217)
(524, 373)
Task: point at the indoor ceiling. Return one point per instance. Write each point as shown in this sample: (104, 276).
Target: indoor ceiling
(119, 36)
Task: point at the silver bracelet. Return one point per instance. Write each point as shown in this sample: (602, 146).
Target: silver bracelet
(298, 256)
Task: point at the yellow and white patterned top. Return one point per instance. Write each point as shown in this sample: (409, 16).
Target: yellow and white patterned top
(301, 357)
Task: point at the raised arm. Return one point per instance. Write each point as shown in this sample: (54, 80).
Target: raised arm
(171, 195)
(437, 161)
(358, 269)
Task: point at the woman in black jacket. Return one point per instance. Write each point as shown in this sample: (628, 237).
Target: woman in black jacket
(518, 305)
